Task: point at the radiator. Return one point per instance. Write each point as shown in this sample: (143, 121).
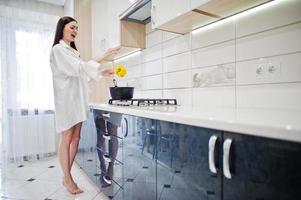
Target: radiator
(31, 135)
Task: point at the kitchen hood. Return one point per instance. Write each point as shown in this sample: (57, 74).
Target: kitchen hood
(139, 12)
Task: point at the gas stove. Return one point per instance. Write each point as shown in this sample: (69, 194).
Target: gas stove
(142, 102)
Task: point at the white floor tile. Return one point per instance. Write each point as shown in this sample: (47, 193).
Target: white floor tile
(47, 183)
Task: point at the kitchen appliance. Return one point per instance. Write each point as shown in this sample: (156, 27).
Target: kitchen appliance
(139, 12)
(121, 93)
(142, 102)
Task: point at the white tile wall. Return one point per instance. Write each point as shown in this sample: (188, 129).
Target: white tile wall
(282, 13)
(214, 76)
(274, 96)
(270, 43)
(223, 59)
(151, 82)
(134, 82)
(177, 62)
(151, 93)
(176, 45)
(152, 53)
(129, 60)
(214, 55)
(133, 71)
(151, 68)
(214, 96)
(181, 79)
(213, 35)
(183, 96)
(288, 69)
(153, 38)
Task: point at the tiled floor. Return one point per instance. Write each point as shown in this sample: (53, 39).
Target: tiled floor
(42, 180)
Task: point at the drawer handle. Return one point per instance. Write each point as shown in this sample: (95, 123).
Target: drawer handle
(212, 142)
(125, 128)
(106, 115)
(226, 156)
(107, 158)
(106, 136)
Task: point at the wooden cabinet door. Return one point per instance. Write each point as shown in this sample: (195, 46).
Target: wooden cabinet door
(183, 162)
(262, 168)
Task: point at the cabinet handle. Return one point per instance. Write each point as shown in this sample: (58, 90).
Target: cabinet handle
(106, 115)
(212, 142)
(106, 136)
(226, 155)
(153, 11)
(107, 158)
(125, 129)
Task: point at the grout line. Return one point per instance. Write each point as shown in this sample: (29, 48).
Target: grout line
(270, 29)
(216, 65)
(221, 86)
(272, 83)
(270, 56)
(235, 65)
(213, 44)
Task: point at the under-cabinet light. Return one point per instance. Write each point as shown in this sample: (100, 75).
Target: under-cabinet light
(135, 53)
(238, 15)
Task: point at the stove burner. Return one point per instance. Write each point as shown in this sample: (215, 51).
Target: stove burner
(142, 102)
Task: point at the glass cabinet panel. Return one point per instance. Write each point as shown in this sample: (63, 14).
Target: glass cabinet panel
(183, 165)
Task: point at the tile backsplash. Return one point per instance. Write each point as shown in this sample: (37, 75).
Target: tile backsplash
(254, 61)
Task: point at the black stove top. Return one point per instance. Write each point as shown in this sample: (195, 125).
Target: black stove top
(142, 102)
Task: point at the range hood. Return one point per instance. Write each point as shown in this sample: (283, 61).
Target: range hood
(139, 12)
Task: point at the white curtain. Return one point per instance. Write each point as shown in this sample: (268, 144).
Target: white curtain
(27, 116)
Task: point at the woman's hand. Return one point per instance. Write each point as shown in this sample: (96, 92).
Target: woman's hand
(107, 72)
(108, 54)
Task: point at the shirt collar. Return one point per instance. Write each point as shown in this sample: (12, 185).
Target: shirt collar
(64, 44)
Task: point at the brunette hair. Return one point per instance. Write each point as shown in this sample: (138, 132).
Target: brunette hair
(60, 28)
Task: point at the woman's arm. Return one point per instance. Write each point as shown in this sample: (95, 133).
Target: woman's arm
(71, 65)
(107, 55)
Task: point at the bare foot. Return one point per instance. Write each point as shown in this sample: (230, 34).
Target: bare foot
(72, 187)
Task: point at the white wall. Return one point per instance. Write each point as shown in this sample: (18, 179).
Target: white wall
(35, 6)
(225, 59)
(69, 8)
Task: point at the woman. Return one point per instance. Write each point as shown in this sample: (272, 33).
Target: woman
(70, 82)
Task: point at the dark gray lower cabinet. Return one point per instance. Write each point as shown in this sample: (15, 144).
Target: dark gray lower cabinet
(262, 169)
(139, 170)
(183, 165)
(170, 161)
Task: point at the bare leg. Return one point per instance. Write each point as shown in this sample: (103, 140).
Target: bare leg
(64, 149)
(74, 147)
(74, 143)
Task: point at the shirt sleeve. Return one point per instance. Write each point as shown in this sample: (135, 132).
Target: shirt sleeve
(71, 65)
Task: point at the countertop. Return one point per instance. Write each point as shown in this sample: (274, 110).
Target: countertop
(278, 124)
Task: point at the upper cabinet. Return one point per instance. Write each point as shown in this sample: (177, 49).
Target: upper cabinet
(167, 10)
(109, 31)
(186, 15)
(130, 37)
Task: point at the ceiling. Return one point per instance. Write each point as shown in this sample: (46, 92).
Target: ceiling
(55, 2)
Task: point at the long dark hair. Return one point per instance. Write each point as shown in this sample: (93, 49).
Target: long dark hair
(60, 28)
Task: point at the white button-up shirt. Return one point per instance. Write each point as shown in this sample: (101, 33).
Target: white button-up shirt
(70, 82)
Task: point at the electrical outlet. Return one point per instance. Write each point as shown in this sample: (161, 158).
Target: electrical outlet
(273, 70)
(260, 70)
